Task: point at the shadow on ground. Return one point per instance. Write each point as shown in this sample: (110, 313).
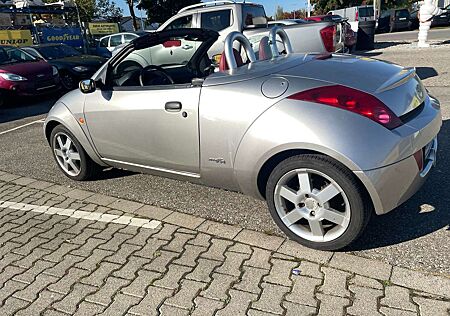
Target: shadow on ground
(20, 108)
(425, 213)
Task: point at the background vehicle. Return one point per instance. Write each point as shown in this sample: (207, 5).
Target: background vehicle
(111, 41)
(394, 20)
(355, 15)
(71, 64)
(21, 74)
(326, 140)
(439, 20)
(348, 35)
(250, 19)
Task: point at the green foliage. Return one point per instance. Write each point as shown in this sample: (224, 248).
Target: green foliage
(160, 10)
(107, 10)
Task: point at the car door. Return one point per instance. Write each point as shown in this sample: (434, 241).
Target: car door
(153, 127)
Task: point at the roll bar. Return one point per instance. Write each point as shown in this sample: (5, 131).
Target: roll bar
(276, 30)
(229, 56)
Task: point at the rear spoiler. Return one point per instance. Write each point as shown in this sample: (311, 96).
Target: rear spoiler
(397, 80)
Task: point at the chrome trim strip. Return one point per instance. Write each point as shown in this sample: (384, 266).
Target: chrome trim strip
(430, 159)
(181, 173)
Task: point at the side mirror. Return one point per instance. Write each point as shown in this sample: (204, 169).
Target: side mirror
(87, 86)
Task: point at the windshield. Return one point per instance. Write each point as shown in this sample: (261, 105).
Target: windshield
(254, 16)
(57, 51)
(11, 55)
(366, 12)
(402, 14)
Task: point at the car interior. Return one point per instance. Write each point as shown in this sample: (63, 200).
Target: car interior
(179, 72)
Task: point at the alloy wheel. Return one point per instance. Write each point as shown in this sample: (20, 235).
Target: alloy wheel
(312, 205)
(67, 154)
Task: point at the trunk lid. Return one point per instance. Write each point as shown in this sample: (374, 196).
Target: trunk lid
(397, 87)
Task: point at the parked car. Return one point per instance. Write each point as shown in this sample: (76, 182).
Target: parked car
(250, 19)
(21, 74)
(111, 41)
(439, 20)
(71, 64)
(349, 36)
(355, 14)
(326, 139)
(394, 20)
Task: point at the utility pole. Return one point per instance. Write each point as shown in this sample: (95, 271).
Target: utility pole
(309, 8)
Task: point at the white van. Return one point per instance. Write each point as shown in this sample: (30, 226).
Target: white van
(356, 14)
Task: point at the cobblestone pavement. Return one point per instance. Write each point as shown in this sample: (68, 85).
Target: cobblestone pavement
(66, 251)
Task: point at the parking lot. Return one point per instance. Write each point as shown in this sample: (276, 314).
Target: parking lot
(415, 235)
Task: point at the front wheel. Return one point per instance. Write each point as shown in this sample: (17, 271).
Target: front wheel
(317, 202)
(70, 156)
(67, 80)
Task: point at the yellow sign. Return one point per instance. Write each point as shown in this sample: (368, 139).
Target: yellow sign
(15, 38)
(103, 28)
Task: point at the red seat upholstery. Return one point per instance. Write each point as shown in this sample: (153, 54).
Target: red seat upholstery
(223, 65)
(264, 51)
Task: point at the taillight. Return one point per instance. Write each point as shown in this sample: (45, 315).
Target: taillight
(328, 35)
(356, 15)
(351, 100)
(418, 155)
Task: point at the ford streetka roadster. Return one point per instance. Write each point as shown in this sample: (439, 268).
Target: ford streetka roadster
(326, 140)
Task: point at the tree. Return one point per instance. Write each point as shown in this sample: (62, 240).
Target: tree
(133, 16)
(279, 13)
(107, 10)
(160, 10)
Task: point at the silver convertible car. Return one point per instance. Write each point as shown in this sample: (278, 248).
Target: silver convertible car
(326, 140)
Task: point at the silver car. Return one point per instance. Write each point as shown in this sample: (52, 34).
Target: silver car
(326, 140)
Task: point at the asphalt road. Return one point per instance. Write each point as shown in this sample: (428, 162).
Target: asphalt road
(415, 235)
(437, 34)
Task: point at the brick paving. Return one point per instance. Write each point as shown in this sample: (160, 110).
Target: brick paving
(71, 252)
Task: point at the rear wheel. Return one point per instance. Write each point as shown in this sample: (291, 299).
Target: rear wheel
(317, 202)
(70, 156)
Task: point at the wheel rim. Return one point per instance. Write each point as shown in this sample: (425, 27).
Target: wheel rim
(312, 205)
(67, 154)
(67, 81)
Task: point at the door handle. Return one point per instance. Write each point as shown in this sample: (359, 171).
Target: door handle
(186, 47)
(174, 106)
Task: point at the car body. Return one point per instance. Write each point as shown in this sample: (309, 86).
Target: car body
(72, 65)
(349, 36)
(250, 19)
(394, 20)
(286, 22)
(24, 75)
(325, 139)
(439, 20)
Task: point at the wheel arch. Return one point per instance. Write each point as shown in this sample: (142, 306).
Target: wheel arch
(60, 115)
(268, 166)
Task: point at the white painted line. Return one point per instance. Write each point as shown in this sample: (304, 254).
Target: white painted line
(21, 126)
(91, 216)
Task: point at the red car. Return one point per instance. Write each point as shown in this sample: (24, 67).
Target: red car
(24, 75)
(349, 35)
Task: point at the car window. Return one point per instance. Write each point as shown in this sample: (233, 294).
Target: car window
(129, 37)
(180, 23)
(11, 55)
(253, 15)
(115, 40)
(31, 51)
(104, 42)
(365, 12)
(402, 14)
(216, 20)
(57, 51)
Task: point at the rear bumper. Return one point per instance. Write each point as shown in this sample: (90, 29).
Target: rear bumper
(393, 185)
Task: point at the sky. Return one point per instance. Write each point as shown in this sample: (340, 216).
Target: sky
(269, 5)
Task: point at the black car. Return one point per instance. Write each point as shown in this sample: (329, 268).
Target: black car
(394, 20)
(71, 64)
(438, 20)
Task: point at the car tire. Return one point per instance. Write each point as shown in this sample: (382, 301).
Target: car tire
(71, 158)
(313, 215)
(67, 80)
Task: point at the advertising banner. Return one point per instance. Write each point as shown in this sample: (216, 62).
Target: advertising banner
(68, 36)
(15, 37)
(103, 28)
